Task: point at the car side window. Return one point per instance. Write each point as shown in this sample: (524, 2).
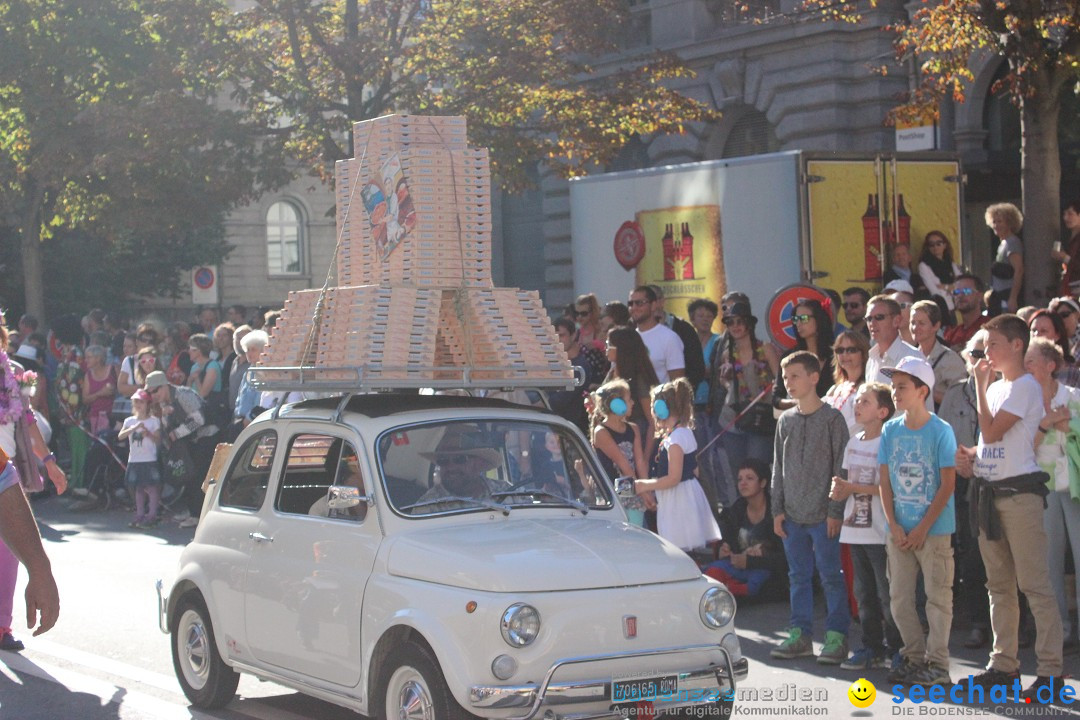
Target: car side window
(310, 469)
(348, 476)
(245, 486)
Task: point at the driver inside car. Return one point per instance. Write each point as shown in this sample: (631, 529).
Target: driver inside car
(462, 468)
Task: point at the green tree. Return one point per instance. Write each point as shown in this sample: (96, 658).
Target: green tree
(1040, 41)
(110, 135)
(515, 68)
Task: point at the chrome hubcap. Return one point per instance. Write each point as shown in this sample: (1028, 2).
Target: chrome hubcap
(410, 696)
(194, 649)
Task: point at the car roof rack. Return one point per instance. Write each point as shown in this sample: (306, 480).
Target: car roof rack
(384, 378)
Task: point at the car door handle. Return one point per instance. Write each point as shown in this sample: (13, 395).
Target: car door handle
(259, 537)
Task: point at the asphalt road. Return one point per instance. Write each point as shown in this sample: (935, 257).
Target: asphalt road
(107, 660)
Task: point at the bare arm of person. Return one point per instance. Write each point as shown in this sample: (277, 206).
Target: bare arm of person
(992, 427)
(206, 385)
(898, 535)
(41, 450)
(673, 477)
(126, 431)
(19, 531)
(1017, 261)
(124, 384)
(640, 465)
(917, 537)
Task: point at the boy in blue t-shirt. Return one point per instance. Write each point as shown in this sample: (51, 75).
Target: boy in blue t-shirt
(917, 459)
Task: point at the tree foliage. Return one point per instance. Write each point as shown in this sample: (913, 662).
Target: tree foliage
(515, 68)
(1040, 42)
(110, 135)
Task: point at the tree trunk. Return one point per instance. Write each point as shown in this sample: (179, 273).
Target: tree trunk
(1040, 178)
(30, 246)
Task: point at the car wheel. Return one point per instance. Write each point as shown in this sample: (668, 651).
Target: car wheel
(413, 688)
(205, 678)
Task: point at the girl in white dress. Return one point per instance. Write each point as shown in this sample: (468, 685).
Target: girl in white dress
(683, 515)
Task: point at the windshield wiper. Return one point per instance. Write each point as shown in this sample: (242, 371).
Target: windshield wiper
(452, 498)
(576, 504)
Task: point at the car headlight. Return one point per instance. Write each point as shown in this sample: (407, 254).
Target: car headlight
(520, 625)
(717, 607)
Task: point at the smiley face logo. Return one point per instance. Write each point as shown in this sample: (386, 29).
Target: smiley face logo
(862, 693)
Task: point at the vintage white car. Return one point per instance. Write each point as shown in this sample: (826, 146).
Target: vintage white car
(434, 557)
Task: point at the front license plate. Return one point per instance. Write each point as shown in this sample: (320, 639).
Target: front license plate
(644, 688)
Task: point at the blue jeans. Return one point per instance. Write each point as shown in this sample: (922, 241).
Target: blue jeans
(807, 546)
(754, 580)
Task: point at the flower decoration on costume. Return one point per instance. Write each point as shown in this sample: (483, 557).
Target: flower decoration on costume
(11, 404)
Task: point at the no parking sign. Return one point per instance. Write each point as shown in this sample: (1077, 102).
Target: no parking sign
(204, 285)
(782, 307)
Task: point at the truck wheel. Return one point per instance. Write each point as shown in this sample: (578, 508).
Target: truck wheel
(413, 688)
(205, 678)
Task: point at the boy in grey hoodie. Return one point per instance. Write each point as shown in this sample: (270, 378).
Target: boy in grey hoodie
(808, 452)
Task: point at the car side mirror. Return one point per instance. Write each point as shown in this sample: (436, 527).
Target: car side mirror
(624, 487)
(343, 497)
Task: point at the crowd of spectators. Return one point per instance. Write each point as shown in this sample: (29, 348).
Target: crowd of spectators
(191, 376)
(866, 447)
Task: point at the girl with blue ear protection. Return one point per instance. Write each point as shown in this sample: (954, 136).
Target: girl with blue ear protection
(618, 441)
(683, 514)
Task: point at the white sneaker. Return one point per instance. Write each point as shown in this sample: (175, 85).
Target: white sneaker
(189, 522)
(181, 517)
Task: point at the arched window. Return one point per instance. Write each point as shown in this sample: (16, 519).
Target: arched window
(284, 239)
(751, 135)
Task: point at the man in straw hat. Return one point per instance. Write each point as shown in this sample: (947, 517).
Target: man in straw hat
(462, 458)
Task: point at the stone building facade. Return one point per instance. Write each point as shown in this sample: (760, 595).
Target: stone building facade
(782, 81)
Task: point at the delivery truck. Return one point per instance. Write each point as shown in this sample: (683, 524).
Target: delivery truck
(760, 223)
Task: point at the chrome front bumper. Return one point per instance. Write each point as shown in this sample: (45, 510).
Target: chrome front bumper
(549, 695)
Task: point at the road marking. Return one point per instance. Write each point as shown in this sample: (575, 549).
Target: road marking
(107, 692)
(168, 683)
(74, 681)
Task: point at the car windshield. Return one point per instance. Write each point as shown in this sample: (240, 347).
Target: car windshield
(459, 466)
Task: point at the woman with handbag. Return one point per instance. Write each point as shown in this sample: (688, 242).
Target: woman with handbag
(21, 441)
(1061, 519)
(748, 369)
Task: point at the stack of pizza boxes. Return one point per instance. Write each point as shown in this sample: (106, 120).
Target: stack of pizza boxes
(415, 300)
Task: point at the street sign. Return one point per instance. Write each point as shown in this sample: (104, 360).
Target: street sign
(204, 285)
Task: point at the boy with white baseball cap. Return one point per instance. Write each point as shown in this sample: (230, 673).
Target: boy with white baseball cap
(917, 461)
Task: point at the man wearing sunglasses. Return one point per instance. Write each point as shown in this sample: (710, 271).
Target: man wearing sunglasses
(665, 347)
(883, 317)
(463, 461)
(855, 299)
(693, 357)
(968, 298)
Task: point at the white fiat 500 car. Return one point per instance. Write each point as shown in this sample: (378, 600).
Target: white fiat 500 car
(431, 557)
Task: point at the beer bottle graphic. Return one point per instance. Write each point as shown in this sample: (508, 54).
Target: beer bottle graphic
(903, 223)
(872, 265)
(686, 253)
(670, 259)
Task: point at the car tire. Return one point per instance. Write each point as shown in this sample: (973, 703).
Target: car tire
(205, 678)
(412, 687)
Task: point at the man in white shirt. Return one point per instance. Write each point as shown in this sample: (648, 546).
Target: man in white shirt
(665, 347)
(883, 318)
